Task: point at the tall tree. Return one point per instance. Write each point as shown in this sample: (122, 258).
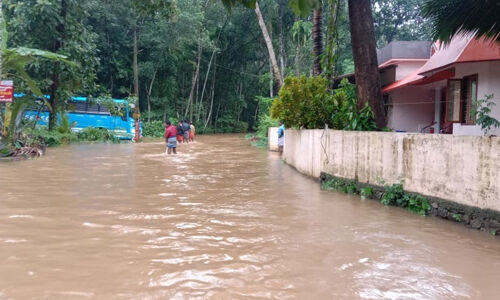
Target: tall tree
(281, 39)
(365, 59)
(398, 20)
(331, 55)
(269, 45)
(452, 17)
(317, 38)
(59, 26)
(58, 44)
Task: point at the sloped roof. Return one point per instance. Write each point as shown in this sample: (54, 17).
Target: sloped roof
(462, 49)
(403, 82)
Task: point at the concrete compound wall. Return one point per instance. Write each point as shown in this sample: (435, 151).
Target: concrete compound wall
(272, 139)
(302, 150)
(461, 169)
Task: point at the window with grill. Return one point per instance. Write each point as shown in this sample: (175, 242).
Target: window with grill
(469, 96)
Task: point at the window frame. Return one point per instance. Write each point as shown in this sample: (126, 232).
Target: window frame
(467, 102)
(448, 101)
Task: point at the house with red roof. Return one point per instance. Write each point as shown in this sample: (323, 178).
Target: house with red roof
(431, 87)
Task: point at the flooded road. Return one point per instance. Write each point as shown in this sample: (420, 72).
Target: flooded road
(221, 220)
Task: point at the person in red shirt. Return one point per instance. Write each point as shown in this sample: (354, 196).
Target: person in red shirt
(171, 137)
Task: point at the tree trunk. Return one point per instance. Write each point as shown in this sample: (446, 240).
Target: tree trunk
(208, 71)
(136, 86)
(148, 93)
(317, 39)
(212, 93)
(195, 79)
(58, 44)
(271, 81)
(297, 60)
(135, 65)
(269, 44)
(281, 41)
(331, 51)
(205, 83)
(365, 58)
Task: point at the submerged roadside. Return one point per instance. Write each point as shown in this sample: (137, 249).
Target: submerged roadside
(451, 177)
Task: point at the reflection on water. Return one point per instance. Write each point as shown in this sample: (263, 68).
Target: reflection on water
(221, 220)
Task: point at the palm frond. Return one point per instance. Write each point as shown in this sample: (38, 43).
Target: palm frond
(455, 17)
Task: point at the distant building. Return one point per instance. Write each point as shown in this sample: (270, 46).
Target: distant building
(431, 86)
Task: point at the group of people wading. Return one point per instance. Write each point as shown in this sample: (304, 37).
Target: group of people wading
(183, 133)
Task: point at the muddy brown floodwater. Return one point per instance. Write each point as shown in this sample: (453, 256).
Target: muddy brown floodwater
(221, 220)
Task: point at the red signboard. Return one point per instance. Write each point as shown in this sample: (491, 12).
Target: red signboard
(6, 90)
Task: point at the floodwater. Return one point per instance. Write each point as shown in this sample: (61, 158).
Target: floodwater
(221, 220)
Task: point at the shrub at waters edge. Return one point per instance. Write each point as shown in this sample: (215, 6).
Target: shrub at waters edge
(309, 103)
(393, 195)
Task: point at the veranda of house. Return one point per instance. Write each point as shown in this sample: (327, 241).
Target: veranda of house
(434, 94)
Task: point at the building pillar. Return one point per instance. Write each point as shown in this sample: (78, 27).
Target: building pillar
(437, 110)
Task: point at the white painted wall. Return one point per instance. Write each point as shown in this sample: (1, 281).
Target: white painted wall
(272, 139)
(462, 169)
(412, 108)
(405, 68)
(303, 150)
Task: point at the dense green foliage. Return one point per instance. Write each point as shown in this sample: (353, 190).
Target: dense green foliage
(195, 60)
(341, 185)
(395, 195)
(154, 129)
(41, 137)
(95, 135)
(308, 102)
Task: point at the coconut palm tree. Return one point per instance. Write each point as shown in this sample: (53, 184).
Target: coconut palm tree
(452, 17)
(317, 38)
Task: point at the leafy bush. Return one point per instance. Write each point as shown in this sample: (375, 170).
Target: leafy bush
(393, 194)
(92, 134)
(418, 204)
(240, 127)
(349, 117)
(265, 121)
(348, 187)
(481, 110)
(366, 192)
(305, 102)
(65, 126)
(50, 138)
(153, 129)
(309, 103)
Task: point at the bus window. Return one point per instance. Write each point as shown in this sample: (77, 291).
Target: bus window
(103, 109)
(124, 116)
(80, 106)
(92, 108)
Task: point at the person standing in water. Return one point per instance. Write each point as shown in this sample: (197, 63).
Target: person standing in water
(171, 137)
(191, 131)
(180, 132)
(186, 128)
(281, 137)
